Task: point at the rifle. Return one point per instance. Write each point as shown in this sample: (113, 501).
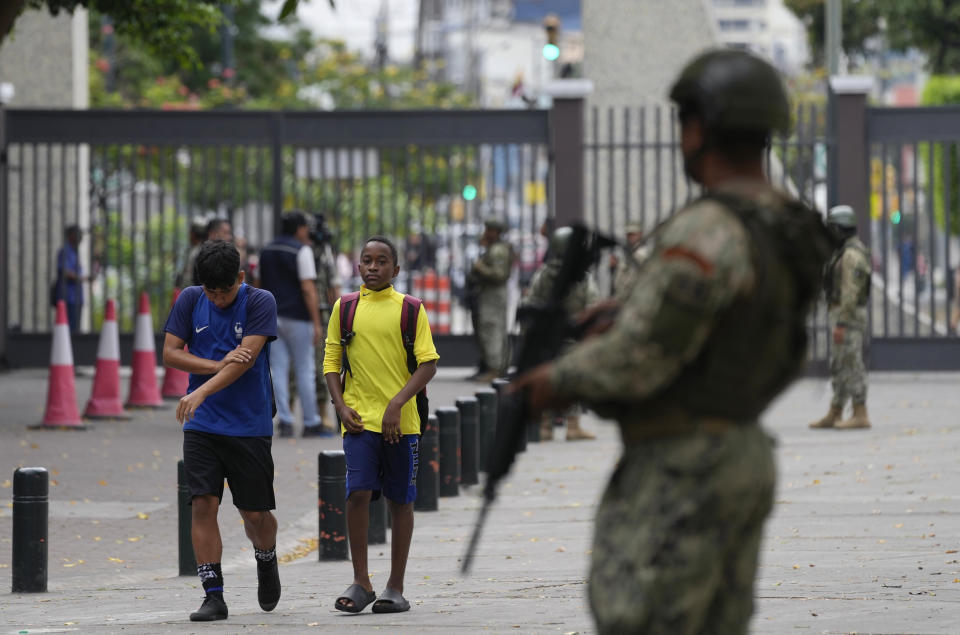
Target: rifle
(543, 336)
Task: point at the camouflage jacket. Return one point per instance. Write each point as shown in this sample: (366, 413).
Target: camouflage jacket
(492, 268)
(714, 322)
(626, 270)
(848, 284)
(328, 280)
(583, 294)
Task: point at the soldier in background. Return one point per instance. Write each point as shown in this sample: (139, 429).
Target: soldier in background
(847, 288)
(487, 284)
(712, 331)
(583, 294)
(623, 269)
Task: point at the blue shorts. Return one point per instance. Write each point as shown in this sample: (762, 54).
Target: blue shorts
(375, 465)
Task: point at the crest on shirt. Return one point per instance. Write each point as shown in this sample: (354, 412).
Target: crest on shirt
(238, 330)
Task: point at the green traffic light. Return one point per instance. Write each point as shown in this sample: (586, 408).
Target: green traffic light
(469, 192)
(551, 52)
(895, 217)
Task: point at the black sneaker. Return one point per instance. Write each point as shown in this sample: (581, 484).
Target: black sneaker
(285, 429)
(213, 608)
(268, 585)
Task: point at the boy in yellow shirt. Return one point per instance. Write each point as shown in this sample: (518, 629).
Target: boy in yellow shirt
(379, 419)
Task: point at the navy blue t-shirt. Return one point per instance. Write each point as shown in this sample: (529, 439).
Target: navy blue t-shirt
(245, 407)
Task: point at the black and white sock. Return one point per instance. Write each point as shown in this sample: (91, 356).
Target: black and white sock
(211, 577)
(265, 558)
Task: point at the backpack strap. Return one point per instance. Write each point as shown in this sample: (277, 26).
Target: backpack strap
(348, 310)
(408, 328)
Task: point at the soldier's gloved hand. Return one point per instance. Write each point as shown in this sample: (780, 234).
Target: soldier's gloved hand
(838, 333)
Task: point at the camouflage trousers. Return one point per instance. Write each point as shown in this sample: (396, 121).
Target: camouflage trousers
(491, 326)
(847, 371)
(678, 532)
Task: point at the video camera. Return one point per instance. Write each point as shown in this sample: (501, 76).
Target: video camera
(320, 233)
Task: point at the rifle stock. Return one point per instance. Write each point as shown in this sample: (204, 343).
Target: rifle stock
(545, 329)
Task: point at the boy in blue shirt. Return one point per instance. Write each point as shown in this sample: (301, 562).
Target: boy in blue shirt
(227, 416)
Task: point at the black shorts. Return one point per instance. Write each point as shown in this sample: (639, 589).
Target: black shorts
(246, 463)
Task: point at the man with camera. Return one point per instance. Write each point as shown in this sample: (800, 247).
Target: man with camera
(288, 271)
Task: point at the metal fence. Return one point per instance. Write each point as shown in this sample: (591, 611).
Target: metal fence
(915, 219)
(135, 179)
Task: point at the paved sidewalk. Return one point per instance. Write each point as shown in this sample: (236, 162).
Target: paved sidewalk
(863, 537)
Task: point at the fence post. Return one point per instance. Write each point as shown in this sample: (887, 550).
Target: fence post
(566, 142)
(277, 181)
(3, 240)
(849, 166)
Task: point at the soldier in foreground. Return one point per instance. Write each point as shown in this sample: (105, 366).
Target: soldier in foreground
(712, 330)
(847, 287)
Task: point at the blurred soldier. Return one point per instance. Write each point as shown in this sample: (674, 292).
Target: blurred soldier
(198, 233)
(328, 290)
(624, 269)
(847, 287)
(712, 331)
(583, 294)
(488, 287)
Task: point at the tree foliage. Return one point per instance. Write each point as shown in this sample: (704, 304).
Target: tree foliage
(932, 27)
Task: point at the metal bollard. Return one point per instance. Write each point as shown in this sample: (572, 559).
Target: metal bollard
(469, 440)
(499, 385)
(30, 488)
(332, 476)
(449, 451)
(486, 420)
(188, 561)
(428, 470)
(377, 528)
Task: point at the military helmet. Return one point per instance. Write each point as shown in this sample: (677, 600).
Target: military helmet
(732, 90)
(559, 242)
(494, 223)
(842, 216)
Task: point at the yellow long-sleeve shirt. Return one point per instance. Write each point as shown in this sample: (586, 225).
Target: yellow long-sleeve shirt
(377, 359)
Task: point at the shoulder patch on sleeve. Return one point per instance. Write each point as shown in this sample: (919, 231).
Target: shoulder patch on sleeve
(678, 252)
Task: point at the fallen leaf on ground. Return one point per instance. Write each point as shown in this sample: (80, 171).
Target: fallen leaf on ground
(101, 482)
(142, 516)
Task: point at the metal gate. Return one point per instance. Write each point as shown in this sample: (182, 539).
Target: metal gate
(133, 180)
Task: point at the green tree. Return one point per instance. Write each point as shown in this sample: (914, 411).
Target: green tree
(932, 27)
(942, 90)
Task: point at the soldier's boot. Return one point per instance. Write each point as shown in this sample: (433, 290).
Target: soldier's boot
(858, 420)
(832, 418)
(546, 427)
(575, 432)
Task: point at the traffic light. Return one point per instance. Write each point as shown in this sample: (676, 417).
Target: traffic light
(895, 217)
(469, 192)
(551, 50)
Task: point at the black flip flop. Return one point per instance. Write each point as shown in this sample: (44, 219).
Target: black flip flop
(356, 594)
(390, 601)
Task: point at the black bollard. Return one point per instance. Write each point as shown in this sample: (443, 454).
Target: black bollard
(332, 470)
(188, 562)
(30, 488)
(469, 441)
(377, 529)
(428, 469)
(449, 451)
(486, 420)
(499, 385)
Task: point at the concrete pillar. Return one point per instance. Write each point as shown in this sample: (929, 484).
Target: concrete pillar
(566, 131)
(849, 180)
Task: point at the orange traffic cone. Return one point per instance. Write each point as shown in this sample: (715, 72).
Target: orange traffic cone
(175, 381)
(144, 392)
(61, 409)
(105, 397)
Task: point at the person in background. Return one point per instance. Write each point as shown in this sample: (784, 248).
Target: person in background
(70, 278)
(487, 290)
(198, 234)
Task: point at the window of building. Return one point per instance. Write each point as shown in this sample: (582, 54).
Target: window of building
(733, 25)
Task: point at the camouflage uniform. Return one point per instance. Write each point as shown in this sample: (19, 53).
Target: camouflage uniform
(626, 270)
(687, 368)
(328, 289)
(582, 295)
(489, 276)
(849, 285)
